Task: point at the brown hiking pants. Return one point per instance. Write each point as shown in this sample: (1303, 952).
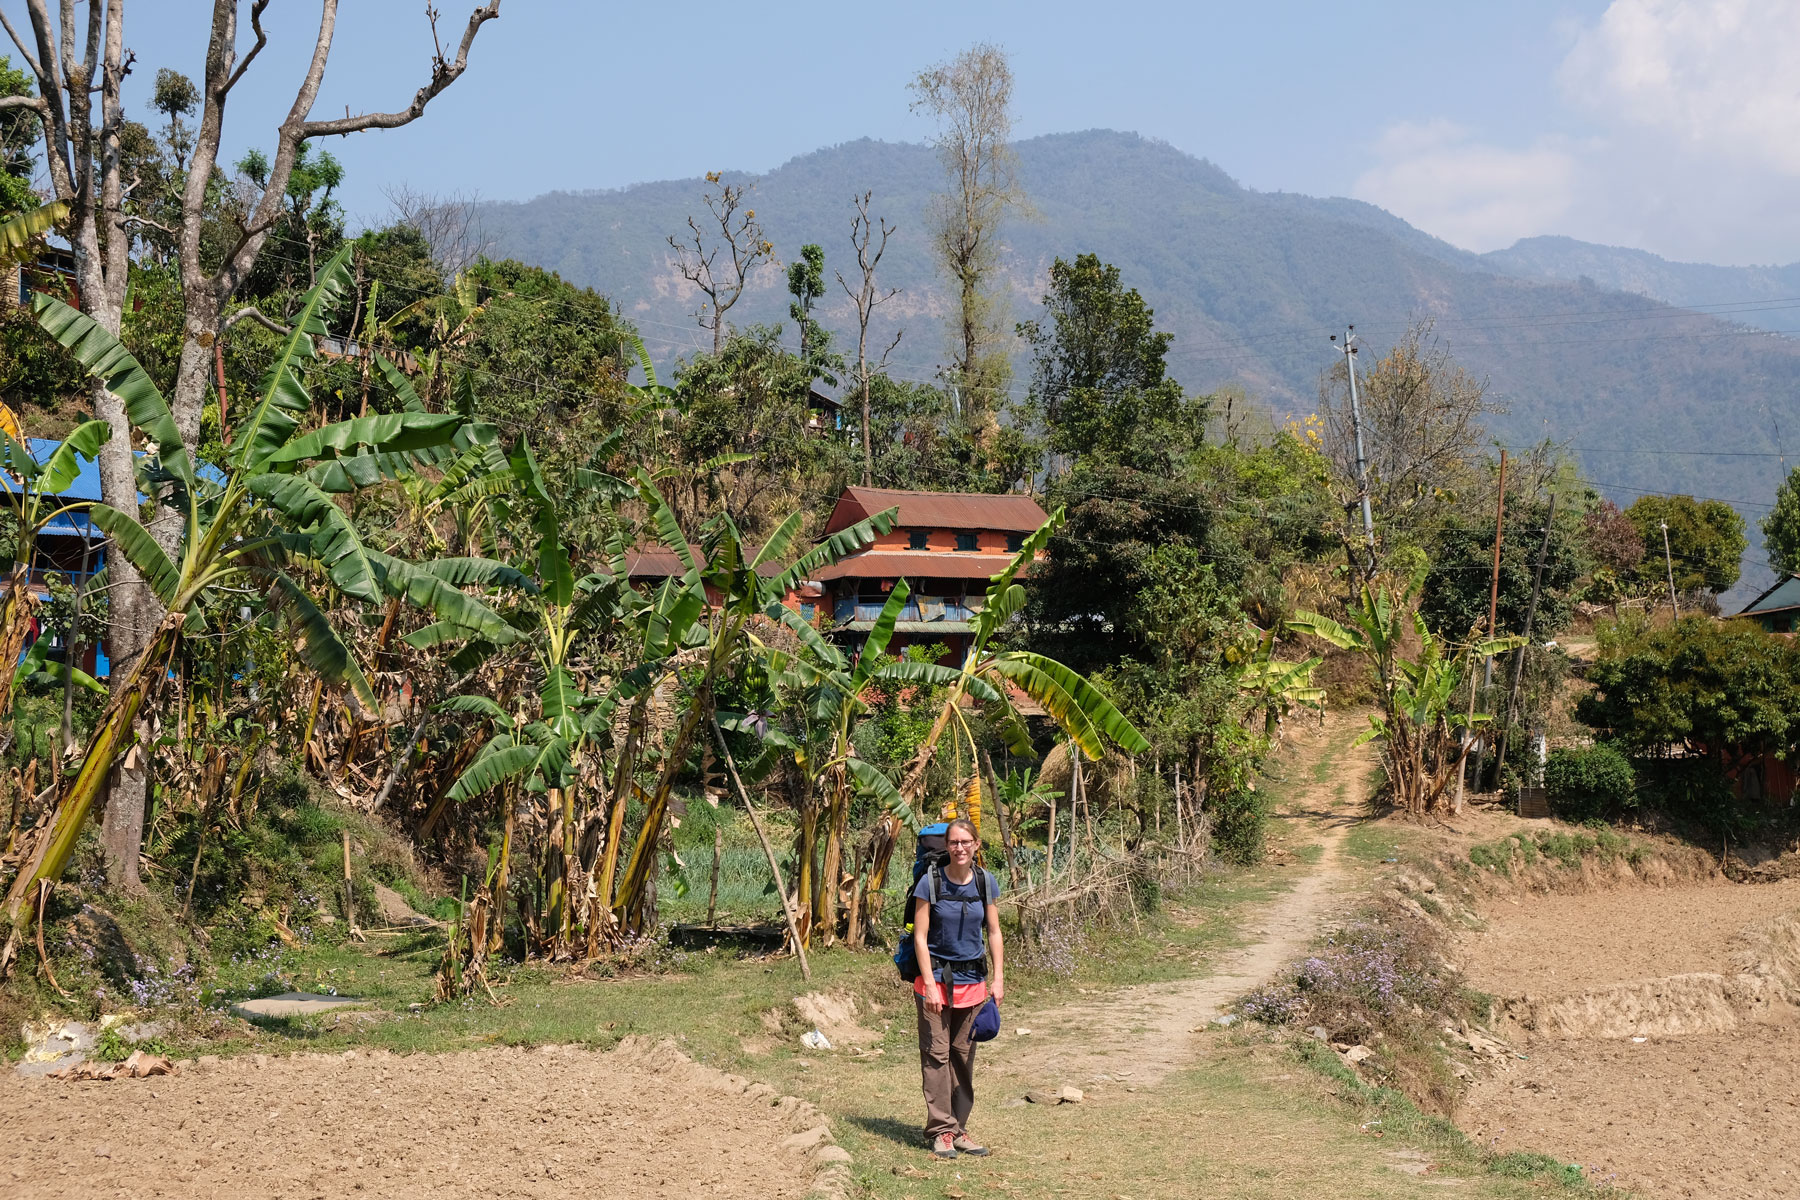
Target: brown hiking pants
(947, 1063)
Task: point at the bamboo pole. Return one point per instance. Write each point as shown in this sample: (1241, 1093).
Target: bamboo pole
(787, 907)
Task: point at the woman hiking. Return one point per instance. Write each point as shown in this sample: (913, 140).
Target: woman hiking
(947, 940)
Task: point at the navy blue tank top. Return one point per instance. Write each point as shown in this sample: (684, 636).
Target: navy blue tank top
(958, 925)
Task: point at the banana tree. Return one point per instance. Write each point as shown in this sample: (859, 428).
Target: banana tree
(270, 528)
(1276, 688)
(1088, 718)
(830, 693)
(1419, 725)
(550, 750)
(727, 573)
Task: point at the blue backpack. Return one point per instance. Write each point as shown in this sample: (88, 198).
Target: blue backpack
(929, 858)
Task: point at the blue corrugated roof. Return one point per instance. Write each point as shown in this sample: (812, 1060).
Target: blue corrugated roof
(86, 487)
(1785, 594)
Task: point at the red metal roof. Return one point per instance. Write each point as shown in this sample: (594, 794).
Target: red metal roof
(915, 564)
(938, 510)
(660, 562)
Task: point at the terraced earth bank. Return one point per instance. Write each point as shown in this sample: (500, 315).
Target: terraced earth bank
(1660, 1033)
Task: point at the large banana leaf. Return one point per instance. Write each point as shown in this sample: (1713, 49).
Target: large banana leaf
(320, 647)
(668, 529)
(493, 769)
(882, 631)
(105, 358)
(140, 550)
(561, 700)
(400, 385)
(478, 572)
(424, 589)
(1072, 702)
(1328, 629)
(679, 604)
(37, 661)
(334, 541)
(800, 627)
(872, 781)
(778, 542)
(384, 433)
(284, 400)
(555, 575)
(21, 231)
(61, 468)
(1000, 597)
(838, 545)
(907, 673)
(479, 706)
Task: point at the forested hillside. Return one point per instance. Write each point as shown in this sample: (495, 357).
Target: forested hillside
(1249, 283)
(1761, 296)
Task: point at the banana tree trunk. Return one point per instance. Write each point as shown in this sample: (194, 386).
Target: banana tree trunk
(628, 904)
(831, 869)
(624, 784)
(108, 743)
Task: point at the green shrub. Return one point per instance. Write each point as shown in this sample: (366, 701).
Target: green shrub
(1238, 818)
(1596, 781)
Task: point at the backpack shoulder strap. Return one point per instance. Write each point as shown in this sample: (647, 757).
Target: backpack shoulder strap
(931, 873)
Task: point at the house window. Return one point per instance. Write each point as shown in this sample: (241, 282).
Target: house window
(965, 541)
(807, 609)
(917, 539)
(1015, 542)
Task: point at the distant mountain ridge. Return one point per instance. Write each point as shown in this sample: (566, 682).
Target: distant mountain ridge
(1576, 341)
(1736, 293)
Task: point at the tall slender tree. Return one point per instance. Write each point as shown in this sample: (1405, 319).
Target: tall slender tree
(866, 296)
(970, 98)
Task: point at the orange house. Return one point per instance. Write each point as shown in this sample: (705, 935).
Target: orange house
(946, 545)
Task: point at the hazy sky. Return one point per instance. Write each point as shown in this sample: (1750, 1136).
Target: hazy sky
(1655, 123)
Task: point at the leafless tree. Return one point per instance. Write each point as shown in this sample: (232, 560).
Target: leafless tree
(449, 223)
(866, 296)
(1422, 428)
(970, 98)
(78, 68)
(742, 244)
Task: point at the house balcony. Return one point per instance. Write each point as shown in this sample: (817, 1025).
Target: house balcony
(921, 614)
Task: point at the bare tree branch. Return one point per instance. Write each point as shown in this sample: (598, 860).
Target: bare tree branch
(443, 74)
(18, 41)
(35, 103)
(253, 313)
(742, 237)
(262, 39)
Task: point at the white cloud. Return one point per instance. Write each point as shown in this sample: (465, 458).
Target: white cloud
(1690, 149)
(1718, 76)
(1472, 194)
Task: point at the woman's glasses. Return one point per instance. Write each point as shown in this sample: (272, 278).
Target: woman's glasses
(965, 842)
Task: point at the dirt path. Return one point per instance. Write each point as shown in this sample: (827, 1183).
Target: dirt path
(1143, 1033)
(554, 1122)
(1711, 1109)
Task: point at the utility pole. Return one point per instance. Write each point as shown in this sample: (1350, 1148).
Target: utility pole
(1669, 564)
(1487, 671)
(1537, 580)
(1362, 465)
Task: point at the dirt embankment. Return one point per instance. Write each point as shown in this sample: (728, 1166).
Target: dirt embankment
(1652, 1014)
(642, 1120)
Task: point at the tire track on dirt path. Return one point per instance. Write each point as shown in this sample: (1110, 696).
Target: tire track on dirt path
(1139, 1034)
